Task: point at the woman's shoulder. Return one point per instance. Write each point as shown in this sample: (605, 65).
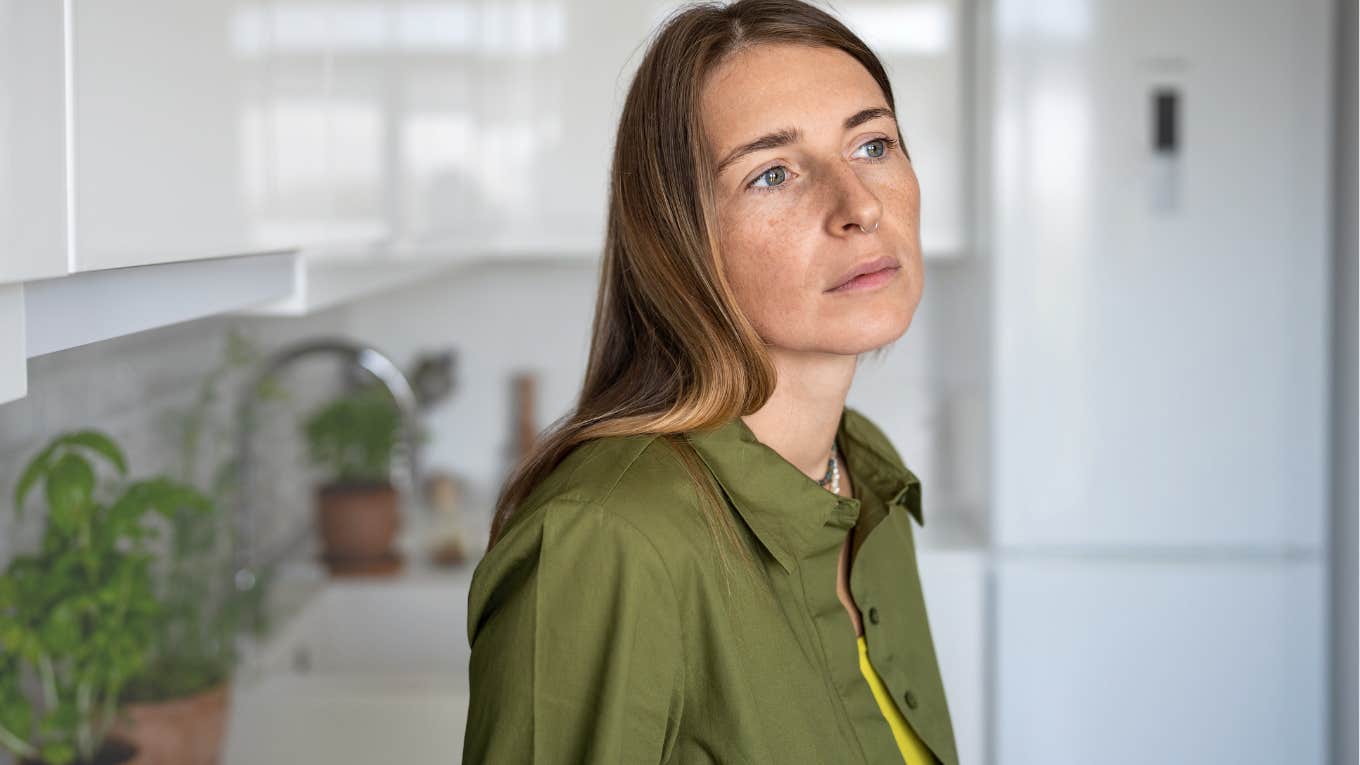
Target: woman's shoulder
(622, 504)
(638, 480)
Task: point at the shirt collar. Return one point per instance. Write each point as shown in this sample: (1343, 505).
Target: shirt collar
(784, 507)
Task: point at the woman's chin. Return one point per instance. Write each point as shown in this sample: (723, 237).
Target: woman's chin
(872, 334)
(875, 323)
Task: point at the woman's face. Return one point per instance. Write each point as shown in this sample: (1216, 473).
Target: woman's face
(790, 209)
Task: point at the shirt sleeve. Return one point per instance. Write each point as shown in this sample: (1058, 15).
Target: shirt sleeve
(577, 654)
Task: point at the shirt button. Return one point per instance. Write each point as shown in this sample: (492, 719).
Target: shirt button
(873, 615)
(911, 699)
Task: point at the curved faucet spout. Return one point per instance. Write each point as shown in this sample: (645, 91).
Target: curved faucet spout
(246, 559)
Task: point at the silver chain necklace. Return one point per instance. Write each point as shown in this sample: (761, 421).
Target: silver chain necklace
(833, 473)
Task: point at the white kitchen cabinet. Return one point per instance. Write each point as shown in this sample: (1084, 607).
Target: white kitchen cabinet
(32, 144)
(13, 356)
(410, 137)
(120, 146)
(1160, 311)
(324, 126)
(352, 150)
(77, 309)
(133, 135)
(319, 284)
(505, 117)
(1186, 661)
(166, 132)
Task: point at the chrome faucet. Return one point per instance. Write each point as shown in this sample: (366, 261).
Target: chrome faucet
(246, 559)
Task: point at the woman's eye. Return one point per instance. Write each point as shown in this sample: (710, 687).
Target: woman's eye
(887, 143)
(773, 177)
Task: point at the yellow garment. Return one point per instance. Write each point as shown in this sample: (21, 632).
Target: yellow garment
(914, 752)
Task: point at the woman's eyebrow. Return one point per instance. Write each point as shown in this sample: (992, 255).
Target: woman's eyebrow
(787, 136)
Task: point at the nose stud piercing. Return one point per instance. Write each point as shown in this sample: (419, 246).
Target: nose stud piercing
(869, 231)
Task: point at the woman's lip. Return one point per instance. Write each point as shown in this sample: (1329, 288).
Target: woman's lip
(866, 267)
(869, 281)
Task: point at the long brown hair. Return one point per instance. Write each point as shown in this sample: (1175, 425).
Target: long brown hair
(671, 351)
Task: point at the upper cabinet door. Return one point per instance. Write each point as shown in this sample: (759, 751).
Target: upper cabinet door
(505, 117)
(326, 131)
(169, 132)
(32, 141)
(1161, 255)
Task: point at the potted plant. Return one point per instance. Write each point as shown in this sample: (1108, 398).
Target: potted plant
(176, 709)
(77, 617)
(351, 438)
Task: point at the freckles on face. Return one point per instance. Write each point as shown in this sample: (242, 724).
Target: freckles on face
(771, 273)
(789, 212)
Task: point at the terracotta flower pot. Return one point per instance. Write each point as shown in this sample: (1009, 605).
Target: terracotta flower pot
(358, 522)
(184, 731)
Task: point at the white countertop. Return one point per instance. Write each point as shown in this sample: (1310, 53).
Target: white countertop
(357, 670)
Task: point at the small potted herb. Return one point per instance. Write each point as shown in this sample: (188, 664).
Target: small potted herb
(178, 706)
(77, 617)
(351, 438)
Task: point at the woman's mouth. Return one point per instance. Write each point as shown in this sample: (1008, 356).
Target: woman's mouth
(870, 280)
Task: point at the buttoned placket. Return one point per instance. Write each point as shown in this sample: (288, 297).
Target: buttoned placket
(904, 641)
(881, 547)
(818, 571)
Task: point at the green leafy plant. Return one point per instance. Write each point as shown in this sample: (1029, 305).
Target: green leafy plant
(79, 614)
(194, 638)
(352, 435)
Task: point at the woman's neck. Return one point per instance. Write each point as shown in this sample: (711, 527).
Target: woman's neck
(800, 419)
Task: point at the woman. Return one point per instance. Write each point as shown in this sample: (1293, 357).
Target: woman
(711, 559)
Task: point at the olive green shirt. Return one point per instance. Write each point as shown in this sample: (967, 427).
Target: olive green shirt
(603, 629)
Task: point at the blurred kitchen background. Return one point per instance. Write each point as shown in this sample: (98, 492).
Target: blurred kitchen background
(291, 284)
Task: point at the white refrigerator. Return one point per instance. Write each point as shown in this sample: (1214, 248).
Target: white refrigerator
(1159, 227)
